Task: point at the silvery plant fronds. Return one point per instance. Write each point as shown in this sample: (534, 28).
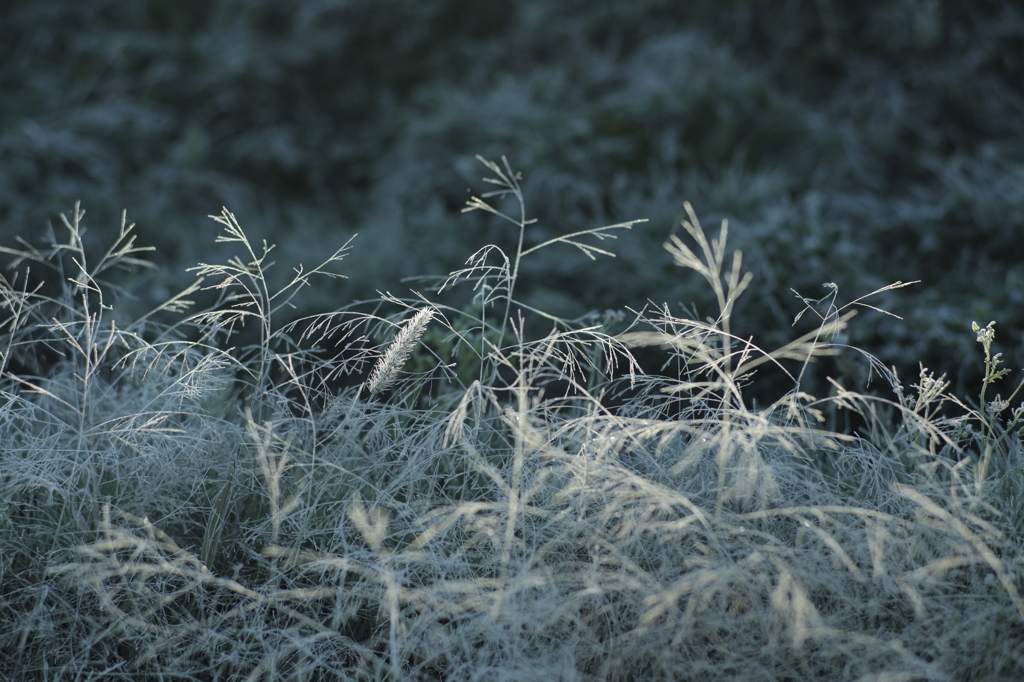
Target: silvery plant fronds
(390, 364)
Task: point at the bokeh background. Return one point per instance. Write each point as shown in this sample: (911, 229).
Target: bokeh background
(858, 143)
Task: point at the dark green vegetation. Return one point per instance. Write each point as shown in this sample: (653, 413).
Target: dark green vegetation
(854, 143)
(542, 467)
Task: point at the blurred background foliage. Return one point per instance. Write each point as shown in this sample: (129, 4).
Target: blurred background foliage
(854, 143)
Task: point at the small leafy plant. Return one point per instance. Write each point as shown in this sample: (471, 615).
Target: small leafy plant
(994, 436)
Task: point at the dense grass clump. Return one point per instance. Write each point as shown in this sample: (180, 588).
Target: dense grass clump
(459, 486)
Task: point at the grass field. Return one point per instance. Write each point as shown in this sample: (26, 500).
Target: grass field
(416, 489)
(855, 143)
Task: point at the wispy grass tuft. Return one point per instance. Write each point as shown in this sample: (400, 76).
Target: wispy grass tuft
(409, 489)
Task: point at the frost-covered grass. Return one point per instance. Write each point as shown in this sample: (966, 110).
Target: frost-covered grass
(414, 489)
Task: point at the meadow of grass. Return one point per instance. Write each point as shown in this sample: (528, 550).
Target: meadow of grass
(456, 485)
(857, 143)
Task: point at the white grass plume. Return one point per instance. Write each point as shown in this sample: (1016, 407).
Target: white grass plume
(387, 368)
